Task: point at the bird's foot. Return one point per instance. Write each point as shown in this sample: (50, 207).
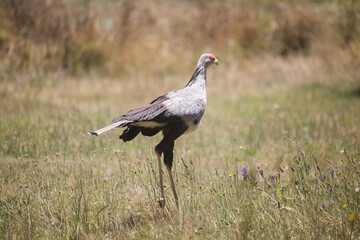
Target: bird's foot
(161, 202)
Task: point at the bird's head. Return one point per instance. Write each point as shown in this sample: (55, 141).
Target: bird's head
(207, 59)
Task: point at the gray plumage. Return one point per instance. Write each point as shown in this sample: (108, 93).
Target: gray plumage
(174, 113)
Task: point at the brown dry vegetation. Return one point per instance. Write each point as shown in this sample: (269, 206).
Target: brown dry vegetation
(117, 37)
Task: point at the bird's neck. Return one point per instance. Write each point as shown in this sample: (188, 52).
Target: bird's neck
(198, 78)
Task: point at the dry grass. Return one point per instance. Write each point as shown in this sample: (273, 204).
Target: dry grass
(262, 114)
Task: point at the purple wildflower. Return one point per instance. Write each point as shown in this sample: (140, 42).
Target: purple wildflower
(299, 158)
(272, 192)
(324, 176)
(245, 176)
(322, 205)
(300, 168)
(261, 172)
(256, 183)
(330, 190)
(308, 165)
(267, 186)
(332, 172)
(274, 185)
(331, 200)
(243, 170)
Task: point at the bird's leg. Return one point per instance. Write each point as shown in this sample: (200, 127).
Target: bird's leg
(166, 146)
(172, 185)
(168, 160)
(162, 199)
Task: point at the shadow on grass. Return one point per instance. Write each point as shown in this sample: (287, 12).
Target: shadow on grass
(348, 91)
(135, 219)
(355, 92)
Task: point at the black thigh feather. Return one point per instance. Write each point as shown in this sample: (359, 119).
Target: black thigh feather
(149, 131)
(131, 132)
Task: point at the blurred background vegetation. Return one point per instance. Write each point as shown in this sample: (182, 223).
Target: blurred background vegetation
(109, 37)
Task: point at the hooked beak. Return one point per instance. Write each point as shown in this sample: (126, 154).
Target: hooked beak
(215, 61)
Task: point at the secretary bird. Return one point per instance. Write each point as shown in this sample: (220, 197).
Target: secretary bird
(174, 113)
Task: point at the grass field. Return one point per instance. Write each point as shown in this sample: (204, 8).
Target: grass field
(259, 166)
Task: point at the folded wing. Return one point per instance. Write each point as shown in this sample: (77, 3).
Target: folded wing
(151, 116)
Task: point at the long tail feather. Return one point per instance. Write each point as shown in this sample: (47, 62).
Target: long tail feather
(107, 128)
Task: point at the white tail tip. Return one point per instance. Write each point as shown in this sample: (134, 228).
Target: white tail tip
(93, 133)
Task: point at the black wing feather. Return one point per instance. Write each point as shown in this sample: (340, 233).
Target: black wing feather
(160, 99)
(154, 111)
(146, 113)
(129, 133)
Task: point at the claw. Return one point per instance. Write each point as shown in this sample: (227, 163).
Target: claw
(161, 202)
